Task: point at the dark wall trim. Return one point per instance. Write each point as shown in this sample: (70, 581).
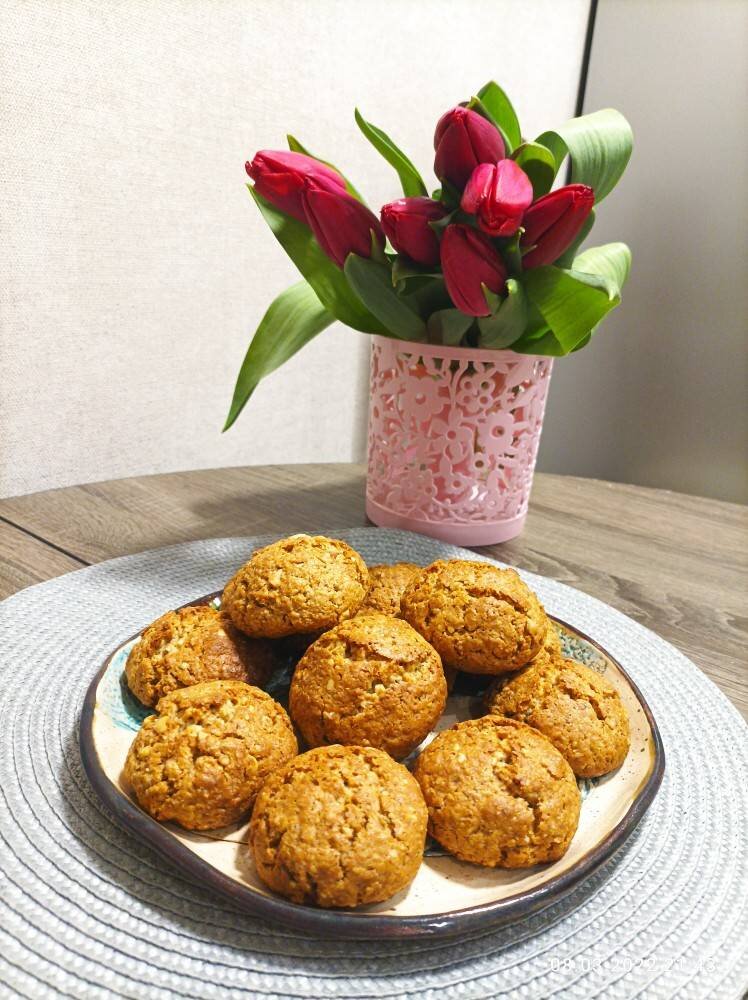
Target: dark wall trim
(586, 57)
(584, 70)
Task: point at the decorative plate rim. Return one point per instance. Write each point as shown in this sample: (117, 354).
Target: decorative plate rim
(352, 925)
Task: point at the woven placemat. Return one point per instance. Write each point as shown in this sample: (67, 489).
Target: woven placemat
(87, 911)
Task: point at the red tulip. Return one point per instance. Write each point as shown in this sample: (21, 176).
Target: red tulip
(552, 223)
(470, 260)
(406, 225)
(341, 224)
(498, 193)
(281, 177)
(462, 140)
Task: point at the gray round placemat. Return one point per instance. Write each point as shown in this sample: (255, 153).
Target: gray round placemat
(87, 911)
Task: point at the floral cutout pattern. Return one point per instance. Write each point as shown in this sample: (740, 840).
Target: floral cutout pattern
(454, 433)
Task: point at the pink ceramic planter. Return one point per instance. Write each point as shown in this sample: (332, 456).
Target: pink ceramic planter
(453, 439)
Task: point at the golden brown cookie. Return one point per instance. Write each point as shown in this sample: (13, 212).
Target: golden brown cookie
(192, 645)
(551, 648)
(386, 587)
(498, 793)
(579, 711)
(202, 759)
(299, 584)
(478, 617)
(339, 826)
(371, 681)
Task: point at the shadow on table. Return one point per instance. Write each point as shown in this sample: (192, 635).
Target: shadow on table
(300, 502)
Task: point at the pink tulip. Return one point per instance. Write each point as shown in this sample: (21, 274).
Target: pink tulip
(406, 225)
(341, 224)
(553, 222)
(498, 194)
(281, 176)
(469, 261)
(462, 140)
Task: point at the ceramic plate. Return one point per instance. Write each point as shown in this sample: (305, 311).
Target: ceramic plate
(447, 896)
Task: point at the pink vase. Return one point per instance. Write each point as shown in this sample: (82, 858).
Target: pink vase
(453, 438)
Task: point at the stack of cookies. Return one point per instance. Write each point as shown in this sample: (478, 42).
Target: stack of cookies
(345, 822)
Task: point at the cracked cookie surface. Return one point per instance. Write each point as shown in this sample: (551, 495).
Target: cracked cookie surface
(202, 759)
(193, 645)
(498, 793)
(387, 584)
(339, 827)
(299, 584)
(579, 711)
(370, 681)
(478, 617)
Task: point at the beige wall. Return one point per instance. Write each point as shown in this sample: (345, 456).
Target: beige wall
(136, 264)
(661, 396)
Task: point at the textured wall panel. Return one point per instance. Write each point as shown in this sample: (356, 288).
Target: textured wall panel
(136, 265)
(660, 397)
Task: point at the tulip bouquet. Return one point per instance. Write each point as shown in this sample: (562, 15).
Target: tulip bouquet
(490, 260)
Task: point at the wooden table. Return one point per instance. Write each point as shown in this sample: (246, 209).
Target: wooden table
(678, 564)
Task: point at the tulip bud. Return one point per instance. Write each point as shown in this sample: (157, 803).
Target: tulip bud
(406, 225)
(281, 177)
(553, 222)
(498, 193)
(470, 260)
(462, 140)
(341, 224)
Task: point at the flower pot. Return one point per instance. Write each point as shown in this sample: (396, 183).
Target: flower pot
(453, 438)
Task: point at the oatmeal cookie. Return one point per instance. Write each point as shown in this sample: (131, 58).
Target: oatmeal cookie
(339, 826)
(202, 759)
(579, 711)
(192, 645)
(478, 617)
(299, 584)
(498, 793)
(551, 648)
(386, 587)
(370, 681)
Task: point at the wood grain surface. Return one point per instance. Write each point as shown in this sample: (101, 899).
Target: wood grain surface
(25, 560)
(677, 564)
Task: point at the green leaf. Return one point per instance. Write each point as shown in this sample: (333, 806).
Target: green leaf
(572, 303)
(295, 146)
(583, 343)
(293, 319)
(539, 163)
(502, 111)
(509, 322)
(493, 300)
(373, 283)
(511, 253)
(448, 326)
(404, 268)
(427, 296)
(547, 344)
(327, 280)
(556, 146)
(612, 260)
(599, 145)
(536, 325)
(456, 215)
(409, 177)
(612, 263)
